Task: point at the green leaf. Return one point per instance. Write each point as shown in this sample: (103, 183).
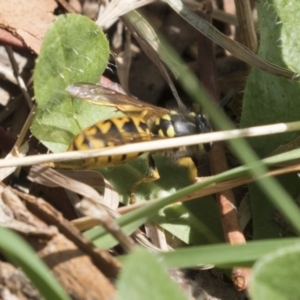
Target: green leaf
(143, 277)
(232, 255)
(194, 222)
(74, 50)
(269, 99)
(18, 252)
(222, 255)
(125, 176)
(263, 212)
(276, 275)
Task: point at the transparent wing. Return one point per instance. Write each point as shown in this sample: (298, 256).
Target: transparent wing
(101, 95)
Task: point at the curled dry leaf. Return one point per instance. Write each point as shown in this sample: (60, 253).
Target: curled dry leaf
(22, 151)
(91, 204)
(111, 11)
(157, 235)
(79, 182)
(95, 179)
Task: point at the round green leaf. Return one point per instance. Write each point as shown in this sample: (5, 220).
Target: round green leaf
(74, 50)
(143, 277)
(276, 275)
(270, 99)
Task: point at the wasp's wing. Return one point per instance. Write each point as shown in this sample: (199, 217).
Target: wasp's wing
(102, 140)
(124, 138)
(101, 95)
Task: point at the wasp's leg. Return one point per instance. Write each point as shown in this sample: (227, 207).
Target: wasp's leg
(190, 165)
(153, 175)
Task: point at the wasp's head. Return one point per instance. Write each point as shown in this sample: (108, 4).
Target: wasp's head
(202, 124)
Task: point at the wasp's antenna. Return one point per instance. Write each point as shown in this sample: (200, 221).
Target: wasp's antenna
(227, 97)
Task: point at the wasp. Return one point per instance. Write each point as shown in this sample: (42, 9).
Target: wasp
(143, 122)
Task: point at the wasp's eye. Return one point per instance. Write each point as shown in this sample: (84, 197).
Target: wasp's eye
(202, 124)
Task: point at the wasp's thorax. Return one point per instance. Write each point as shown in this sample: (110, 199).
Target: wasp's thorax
(175, 125)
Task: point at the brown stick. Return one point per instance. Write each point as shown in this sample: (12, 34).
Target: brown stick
(218, 163)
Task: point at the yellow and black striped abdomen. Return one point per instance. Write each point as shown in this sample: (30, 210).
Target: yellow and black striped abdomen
(109, 133)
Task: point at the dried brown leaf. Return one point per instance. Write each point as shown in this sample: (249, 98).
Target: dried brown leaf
(91, 205)
(14, 285)
(75, 262)
(27, 20)
(79, 182)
